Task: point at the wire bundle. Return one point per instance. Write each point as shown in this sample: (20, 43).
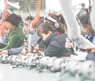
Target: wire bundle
(38, 5)
(2, 25)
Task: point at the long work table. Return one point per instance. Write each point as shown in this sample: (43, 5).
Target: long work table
(24, 74)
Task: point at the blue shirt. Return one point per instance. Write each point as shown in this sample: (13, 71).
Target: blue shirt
(91, 38)
(3, 39)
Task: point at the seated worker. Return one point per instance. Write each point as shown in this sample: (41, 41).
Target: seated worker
(84, 18)
(18, 50)
(54, 45)
(88, 30)
(34, 28)
(58, 18)
(27, 28)
(16, 36)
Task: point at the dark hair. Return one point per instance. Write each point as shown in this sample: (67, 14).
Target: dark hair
(60, 19)
(29, 18)
(41, 20)
(13, 19)
(83, 4)
(45, 27)
(84, 17)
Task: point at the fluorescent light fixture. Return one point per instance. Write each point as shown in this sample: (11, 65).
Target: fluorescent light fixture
(15, 5)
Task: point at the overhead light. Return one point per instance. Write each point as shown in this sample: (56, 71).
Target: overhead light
(15, 5)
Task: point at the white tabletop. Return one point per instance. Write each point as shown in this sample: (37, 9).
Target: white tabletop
(24, 74)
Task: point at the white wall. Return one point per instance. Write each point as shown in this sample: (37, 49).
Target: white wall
(54, 4)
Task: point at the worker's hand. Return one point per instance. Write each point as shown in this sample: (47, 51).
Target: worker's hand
(68, 44)
(4, 52)
(91, 48)
(34, 49)
(33, 29)
(23, 52)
